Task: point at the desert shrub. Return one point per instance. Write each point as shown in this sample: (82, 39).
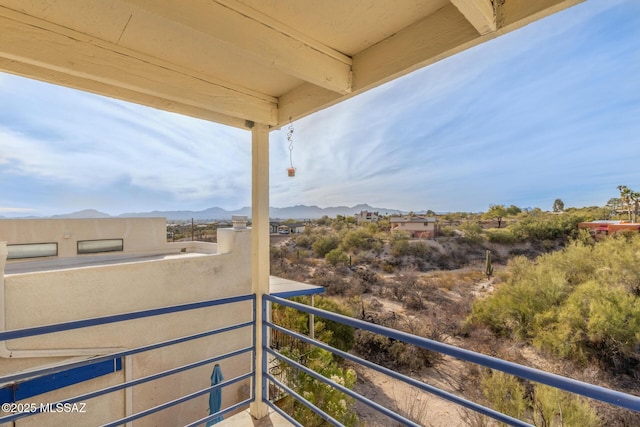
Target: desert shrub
(359, 239)
(391, 353)
(420, 250)
(504, 392)
(604, 320)
(389, 267)
(514, 306)
(553, 407)
(536, 227)
(325, 396)
(580, 303)
(472, 231)
(335, 334)
(323, 245)
(447, 231)
(336, 256)
(548, 406)
(305, 240)
(399, 244)
(501, 235)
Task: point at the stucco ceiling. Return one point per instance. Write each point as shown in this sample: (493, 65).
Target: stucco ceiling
(242, 61)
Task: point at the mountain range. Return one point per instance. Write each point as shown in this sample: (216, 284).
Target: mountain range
(292, 212)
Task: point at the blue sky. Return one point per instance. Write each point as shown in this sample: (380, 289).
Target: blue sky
(549, 111)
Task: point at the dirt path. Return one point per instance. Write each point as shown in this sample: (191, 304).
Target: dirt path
(420, 406)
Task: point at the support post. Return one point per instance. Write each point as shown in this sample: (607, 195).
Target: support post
(312, 322)
(259, 251)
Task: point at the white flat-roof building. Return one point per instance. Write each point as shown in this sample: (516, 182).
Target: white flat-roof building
(65, 270)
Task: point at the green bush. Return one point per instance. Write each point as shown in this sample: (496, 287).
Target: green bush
(323, 245)
(335, 334)
(505, 393)
(538, 226)
(548, 406)
(553, 407)
(336, 256)
(580, 303)
(501, 235)
(472, 231)
(326, 397)
(359, 239)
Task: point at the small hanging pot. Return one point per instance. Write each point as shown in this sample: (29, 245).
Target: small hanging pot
(291, 172)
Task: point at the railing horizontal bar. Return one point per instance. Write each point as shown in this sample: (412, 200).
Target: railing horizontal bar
(55, 369)
(219, 413)
(578, 387)
(137, 381)
(408, 380)
(283, 414)
(96, 321)
(304, 401)
(345, 390)
(177, 401)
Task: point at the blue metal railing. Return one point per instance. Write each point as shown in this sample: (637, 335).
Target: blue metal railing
(577, 387)
(15, 378)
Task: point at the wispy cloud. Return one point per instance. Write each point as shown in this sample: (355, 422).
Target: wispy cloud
(544, 112)
(523, 119)
(86, 143)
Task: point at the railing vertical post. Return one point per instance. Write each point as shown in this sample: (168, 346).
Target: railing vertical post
(259, 252)
(266, 342)
(312, 321)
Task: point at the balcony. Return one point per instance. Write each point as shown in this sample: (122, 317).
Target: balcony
(132, 338)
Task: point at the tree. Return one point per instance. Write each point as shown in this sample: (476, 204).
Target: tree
(496, 212)
(635, 198)
(615, 204)
(513, 210)
(625, 197)
(630, 199)
(558, 205)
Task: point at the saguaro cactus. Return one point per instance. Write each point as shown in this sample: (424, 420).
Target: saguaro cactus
(488, 269)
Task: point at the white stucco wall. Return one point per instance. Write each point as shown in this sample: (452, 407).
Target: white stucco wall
(139, 234)
(188, 274)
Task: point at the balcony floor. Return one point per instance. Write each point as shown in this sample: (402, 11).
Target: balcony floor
(243, 419)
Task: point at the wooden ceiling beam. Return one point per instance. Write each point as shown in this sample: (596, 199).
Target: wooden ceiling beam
(94, 66)
(261, 37)
(63, 79)
(440, 35)
(479, 13)
(511, 14)
(435, 37)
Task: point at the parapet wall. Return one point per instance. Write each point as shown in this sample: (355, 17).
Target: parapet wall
(188, 272)
(139, 234)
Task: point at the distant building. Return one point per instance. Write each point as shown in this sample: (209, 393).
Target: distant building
(366, 216)
(286, 228)
(417, 226)
(606, 227)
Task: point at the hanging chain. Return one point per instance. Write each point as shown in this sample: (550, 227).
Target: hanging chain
(290, 139)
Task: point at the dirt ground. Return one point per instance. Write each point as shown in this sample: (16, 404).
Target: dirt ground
(417, 405)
